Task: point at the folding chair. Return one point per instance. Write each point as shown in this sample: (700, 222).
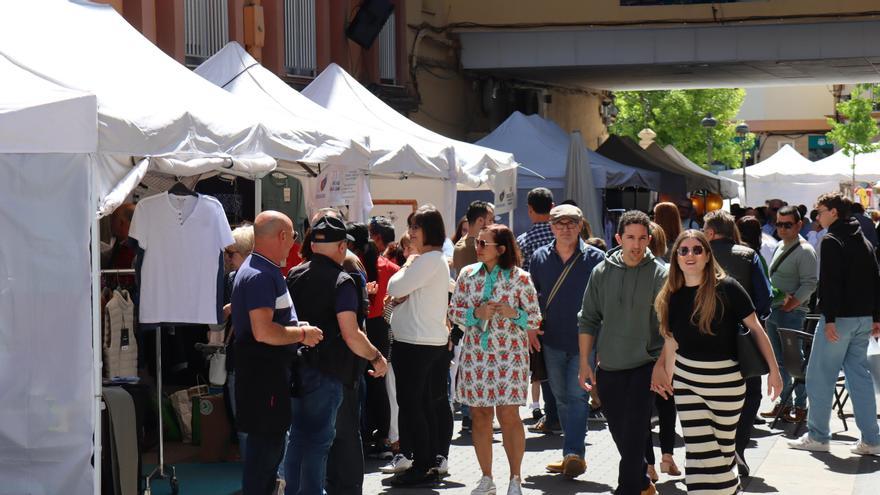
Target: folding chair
(841, 397)
(795, 356)
(811, 321)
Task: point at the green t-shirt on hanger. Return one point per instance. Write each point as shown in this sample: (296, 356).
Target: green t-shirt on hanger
(285, 194)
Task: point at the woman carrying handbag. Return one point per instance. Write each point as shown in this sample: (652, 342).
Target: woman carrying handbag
(700, 310)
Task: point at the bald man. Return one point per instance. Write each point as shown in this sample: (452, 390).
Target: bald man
(267, 336)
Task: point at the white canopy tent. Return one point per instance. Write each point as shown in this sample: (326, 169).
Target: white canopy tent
(470, 166)
(839, 167)
(82, 121)
(785, 175)
(388, 157)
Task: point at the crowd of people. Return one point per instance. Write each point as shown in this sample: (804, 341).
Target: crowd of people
(367, 346)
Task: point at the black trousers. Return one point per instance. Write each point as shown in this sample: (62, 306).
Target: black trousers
(345, 463)
(421, 373)
(666, 413)
(378, 410)
(748, 415)
(627, 401)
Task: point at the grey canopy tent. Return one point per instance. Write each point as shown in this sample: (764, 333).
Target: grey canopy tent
(696, 177)
(542, 148)
(625, 150)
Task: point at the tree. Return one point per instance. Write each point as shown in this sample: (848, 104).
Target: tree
(675, 116)
(855, 134)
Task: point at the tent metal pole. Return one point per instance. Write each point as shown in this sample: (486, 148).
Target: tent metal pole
(97, 340)
(258, 196)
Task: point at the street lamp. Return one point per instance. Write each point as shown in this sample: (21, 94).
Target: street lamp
(742, 131)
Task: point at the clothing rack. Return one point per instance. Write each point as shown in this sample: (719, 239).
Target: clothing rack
(159, 472)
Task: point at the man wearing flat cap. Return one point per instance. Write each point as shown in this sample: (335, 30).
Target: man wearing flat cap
(326, 296)
(560, 271)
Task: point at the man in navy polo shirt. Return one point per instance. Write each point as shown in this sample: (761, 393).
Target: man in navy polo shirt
(265, 343)
(560, 327)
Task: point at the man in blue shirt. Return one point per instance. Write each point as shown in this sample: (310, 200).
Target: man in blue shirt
(570, 256)
(266, 334)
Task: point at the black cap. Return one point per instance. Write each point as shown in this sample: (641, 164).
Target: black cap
(329, 229)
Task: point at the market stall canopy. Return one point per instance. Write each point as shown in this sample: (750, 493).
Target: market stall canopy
(838, 165)
(624, 150)
(336, 90)
(542, 147)
(335, 141)
(39, 116)
(785, 175)
(697, 178)
(148, 104)
(784, 165)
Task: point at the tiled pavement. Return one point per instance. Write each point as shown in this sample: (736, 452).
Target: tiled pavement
(775, 468)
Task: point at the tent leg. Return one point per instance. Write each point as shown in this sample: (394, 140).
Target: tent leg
(97, 338)
(258, 196)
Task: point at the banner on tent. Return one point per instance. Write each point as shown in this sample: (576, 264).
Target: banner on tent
(505, 191)
(340, 187)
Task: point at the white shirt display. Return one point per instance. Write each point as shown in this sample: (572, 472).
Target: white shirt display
(183, 238)
(421, 319)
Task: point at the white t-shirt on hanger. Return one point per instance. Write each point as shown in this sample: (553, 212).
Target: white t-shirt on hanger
(183, 238)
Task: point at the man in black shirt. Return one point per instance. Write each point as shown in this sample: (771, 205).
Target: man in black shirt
(849, 299)
(325, 295)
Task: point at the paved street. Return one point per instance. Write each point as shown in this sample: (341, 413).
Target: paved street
(775, 467)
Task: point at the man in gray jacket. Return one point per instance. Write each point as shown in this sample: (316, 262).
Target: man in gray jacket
(620, 300)
(793, 271)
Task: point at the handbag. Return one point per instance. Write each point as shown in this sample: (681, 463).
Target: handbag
(537, 365)
(751, 361)
(217, 361)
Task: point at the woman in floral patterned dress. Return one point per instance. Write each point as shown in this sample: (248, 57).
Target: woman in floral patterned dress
(495, 303)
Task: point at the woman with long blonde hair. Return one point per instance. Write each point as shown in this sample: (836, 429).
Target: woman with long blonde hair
(700, 309)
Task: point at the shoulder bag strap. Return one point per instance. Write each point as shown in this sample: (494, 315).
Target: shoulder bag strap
(558, 284)
(782, 258)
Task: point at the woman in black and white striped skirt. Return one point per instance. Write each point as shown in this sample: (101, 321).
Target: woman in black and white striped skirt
(700, 309)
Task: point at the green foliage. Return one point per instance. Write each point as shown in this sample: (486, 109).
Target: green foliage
(855, 134)
(675, 116)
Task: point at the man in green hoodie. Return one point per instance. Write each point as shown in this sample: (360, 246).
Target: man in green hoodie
(620, 300)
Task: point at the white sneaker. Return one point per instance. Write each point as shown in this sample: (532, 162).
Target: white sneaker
(807, 443)
(485, 487)
(515, 486)
(398, 464)
(863, 448)
(441, 465)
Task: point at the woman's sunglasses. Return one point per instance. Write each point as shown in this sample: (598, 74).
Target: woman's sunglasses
(684, 250)
(482, 243)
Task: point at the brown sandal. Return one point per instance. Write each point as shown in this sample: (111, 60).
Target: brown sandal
(667, 465)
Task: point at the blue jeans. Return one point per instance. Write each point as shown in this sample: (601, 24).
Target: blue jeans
(312, 429)
(572, 402)
(795, 321)
(850, 352)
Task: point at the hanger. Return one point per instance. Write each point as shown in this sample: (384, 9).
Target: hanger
(180, 189)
